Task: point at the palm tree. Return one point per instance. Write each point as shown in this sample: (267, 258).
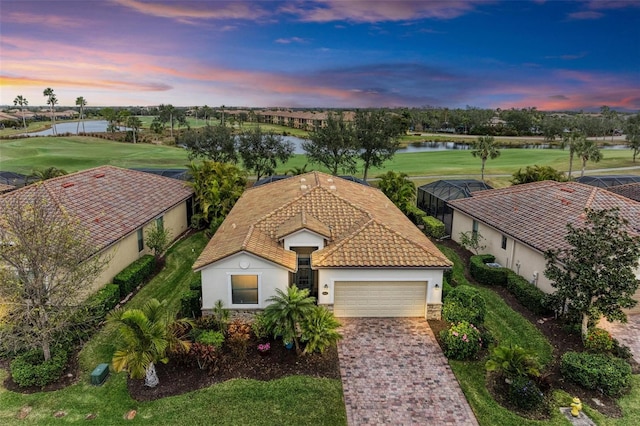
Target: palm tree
(51, 101)
(588, 150)
(399, 189)
(44, 174)
(572, 140)
(148, 335)
(485, 147)
(22, 101)
(81, 102)
(297, 170)
(206, 113)
(286, 312)
(134, 123)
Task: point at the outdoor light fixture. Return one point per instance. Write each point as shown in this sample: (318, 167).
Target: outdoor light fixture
(437, 285)
(326, 286)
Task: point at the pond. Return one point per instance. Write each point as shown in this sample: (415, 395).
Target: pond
(90, 126)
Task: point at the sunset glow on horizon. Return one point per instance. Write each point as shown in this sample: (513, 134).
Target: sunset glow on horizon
(553, 55)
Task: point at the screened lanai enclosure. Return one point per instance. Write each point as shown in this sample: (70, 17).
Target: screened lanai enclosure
(607, 181)
(433, 197)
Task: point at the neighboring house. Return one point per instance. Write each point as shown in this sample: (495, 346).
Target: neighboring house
(13, 179)
(433, 198)
(607, 181)
(6, 188)
(521, 222)
(630, 190)
(347, 243)
(116, 206)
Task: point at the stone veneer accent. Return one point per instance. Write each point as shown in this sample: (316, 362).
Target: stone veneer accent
(434, 311)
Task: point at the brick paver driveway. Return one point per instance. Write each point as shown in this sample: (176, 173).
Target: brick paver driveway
(394, 373)
(627, 334)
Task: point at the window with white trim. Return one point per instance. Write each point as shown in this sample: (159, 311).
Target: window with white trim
(504, 243)
(244, 289)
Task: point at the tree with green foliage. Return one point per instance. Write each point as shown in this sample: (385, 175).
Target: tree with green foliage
(111, 115)
(168, 114)
(376, 135)
(537, 173)
(399, 189)
(595, 274)
(134, 123)
(333, 145)
(632, 130)
(81, 102)
(158, 239)
(48, 261)
(261, 151)
(485, 148)
(572, 140)
(52, 100)
(217, 187)
(39, 175)
(588, 150)
(286, 312)
(147, 335)
(472, 241)
(214, 143)
(22, 102)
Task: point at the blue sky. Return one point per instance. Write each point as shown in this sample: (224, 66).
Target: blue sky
(554, 55)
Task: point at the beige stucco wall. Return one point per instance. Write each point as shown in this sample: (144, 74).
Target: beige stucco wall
(125, 251)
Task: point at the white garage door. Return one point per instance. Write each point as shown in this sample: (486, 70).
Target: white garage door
(380, 299)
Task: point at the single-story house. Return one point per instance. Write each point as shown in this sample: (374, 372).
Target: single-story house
(630, 190)
(520, 223)
(607, 181)
(347, 243)
(116, 206)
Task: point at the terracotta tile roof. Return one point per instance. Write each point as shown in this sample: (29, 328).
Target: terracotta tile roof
(109, 201)
(6, 188)
(537, 213)
(630, 190)
(361, 224)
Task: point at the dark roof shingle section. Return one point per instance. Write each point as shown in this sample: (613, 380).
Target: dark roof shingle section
(361, 224)
(631, 190)
(537, 213)
(109, 201)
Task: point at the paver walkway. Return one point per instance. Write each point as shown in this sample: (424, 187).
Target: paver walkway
(627, 334)
(394, 373)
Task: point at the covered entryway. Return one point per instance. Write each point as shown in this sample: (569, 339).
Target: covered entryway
(380, 298)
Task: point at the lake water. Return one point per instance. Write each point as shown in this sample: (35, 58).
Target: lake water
(90, 126)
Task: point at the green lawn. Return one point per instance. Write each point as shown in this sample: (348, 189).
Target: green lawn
(79, 152)
(292, 400)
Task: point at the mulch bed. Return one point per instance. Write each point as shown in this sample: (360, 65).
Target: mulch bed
(177, 377)
(561, 340)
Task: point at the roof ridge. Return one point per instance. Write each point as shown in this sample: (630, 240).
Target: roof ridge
(247, 237)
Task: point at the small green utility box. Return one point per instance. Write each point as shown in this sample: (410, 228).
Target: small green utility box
(99, 374)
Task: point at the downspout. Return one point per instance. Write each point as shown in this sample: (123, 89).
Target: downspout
(513, 253)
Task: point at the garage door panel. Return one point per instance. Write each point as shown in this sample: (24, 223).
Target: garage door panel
(380, 299)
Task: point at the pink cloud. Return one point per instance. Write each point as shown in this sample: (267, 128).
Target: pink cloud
(53, 21)
(586, 14)
(189, 12)
(290, 40)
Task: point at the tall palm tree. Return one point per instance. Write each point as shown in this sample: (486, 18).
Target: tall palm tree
(588, 150)
(134, 123)
(572, 140)
(148, 335)
(206, 113)
(51, 101)
(81, 102)
(286, 312)
(22, 101)
(399, 189)
(44, 174)
(485, 148)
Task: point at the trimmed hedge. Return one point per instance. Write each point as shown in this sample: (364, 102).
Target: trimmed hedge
(133, 275)
(190, 306)
(530, 296)
(597, 371)
(103, 301)
(485, 274)
(415, 215)
(30, 368)
(432, 227)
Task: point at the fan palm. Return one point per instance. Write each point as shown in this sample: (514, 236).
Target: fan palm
(148, 335)
(286, 311)
(485, 148)
(513, 361)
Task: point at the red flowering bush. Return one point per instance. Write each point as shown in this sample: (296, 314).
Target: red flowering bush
(598, 340)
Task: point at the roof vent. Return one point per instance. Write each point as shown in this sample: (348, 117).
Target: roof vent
(332, 187)
(68, 184)
(302, 180)
(233, 225)
(99, 175)
(303, 187)
(330, 180)
(565, 189)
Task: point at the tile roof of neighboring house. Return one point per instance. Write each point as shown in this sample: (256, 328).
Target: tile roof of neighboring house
(537, 213)
(111, 202)
(6, 188)
(630, 190)
(362, 226)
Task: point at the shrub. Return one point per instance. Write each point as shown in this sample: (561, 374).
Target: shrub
(319, 330)
(530, 296)
(621, 351)
(597, 371)
(433, 227)
(205, 355)
(415, 215)
(446, 287)
(238, 335)
(461, 341)
(485, 274)
(30, 368)
(598, 340)
(135, 274)
(104, 300)
(464, 303)
(211, 338)
(220, 316)
(513, 361)
(190, 304)
(260, 327)
(524, 393)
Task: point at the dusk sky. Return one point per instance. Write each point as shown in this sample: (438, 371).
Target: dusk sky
(554, 55)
